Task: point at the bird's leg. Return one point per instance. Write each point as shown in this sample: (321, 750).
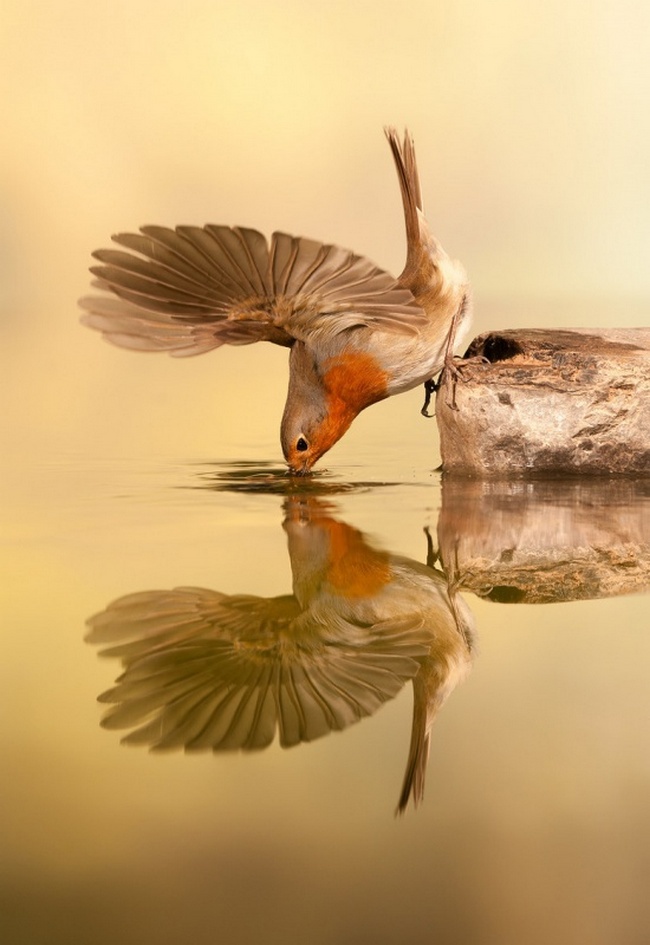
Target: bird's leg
(449, 360)
(448, 364)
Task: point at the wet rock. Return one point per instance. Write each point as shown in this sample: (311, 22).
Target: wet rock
(541, 541)
(535, 402)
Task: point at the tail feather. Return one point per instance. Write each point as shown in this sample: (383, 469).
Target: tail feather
(409, 182)
(418, 756)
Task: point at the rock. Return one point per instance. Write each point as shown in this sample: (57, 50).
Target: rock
(545, 540)
(535, 402)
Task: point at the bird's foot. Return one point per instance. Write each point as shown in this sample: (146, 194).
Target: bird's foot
(455, 367)
(433, 386)
(430, 388)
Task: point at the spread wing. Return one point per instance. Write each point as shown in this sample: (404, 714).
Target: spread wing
(204, 671)
(191, 289)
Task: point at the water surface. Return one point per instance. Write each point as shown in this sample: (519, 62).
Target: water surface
(263, 650)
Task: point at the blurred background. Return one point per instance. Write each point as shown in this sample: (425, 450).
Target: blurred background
(532, 128)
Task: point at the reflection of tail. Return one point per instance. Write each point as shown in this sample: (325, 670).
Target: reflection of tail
(416, 765)
(447, 663)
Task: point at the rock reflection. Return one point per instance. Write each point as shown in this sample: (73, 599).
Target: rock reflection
(546, 540)
(209, 671)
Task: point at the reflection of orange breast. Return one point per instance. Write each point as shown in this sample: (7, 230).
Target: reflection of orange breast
(355, 569)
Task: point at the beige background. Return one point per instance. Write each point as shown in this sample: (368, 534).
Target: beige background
(532, 130)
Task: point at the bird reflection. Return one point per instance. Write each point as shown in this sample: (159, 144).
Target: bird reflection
(205, 670)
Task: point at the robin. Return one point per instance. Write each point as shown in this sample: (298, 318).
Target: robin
(206, 671)
(356, 334)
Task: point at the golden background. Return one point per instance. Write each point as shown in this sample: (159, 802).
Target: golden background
(532, 128)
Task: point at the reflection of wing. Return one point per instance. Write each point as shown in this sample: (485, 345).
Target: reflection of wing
(205, 671)
(192, 289)
(154, 620)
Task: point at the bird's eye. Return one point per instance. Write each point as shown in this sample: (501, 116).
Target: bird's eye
(302, 444)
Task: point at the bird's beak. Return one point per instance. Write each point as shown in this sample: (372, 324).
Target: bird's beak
(303, 470)
(300, 467)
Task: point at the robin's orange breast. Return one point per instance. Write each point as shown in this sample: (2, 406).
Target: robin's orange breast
(352, 381)
(356, 378)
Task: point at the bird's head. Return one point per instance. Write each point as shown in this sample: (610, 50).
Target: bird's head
(324, 397)
(314, 419)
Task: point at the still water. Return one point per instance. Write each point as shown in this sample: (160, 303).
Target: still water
(221, 686)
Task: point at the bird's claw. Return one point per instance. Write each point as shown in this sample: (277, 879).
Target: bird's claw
(455, 367)
(430, 387)
(456, 375)
(433, 554)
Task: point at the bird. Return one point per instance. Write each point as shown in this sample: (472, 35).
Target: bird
(356, 334)
(208, 671)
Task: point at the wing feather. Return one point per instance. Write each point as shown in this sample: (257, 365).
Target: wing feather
(129, 326)
(193, 288)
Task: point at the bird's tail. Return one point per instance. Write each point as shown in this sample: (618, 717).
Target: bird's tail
(409, 183)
